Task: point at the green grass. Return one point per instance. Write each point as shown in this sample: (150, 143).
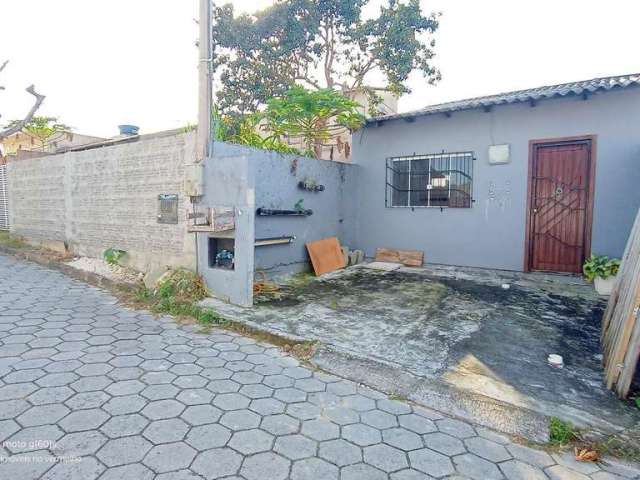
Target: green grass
(8, 240)
(561, 432)
(178, 295)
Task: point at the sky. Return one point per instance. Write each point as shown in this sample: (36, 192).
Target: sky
(103, 63)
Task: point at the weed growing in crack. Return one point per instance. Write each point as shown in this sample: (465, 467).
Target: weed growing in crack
(561, 432)
(177, 294)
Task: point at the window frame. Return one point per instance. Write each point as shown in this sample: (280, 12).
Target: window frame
(390, 187)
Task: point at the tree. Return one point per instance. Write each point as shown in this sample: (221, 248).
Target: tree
(312, 116)
(245, 130)
(319, 44)
(18, 125)
(43, 130)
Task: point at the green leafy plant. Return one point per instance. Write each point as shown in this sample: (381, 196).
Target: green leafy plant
(600, 266)
(313, 117)
(561, 432)
(44, 130)
(177, 294)
(245, 130)
(189, 127)
(113, 256)
(299, 205)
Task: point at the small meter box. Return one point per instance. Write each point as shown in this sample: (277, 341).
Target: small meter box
(168, 208)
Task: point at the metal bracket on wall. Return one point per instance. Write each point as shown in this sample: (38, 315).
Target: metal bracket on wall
(264, 242)
(269, 212)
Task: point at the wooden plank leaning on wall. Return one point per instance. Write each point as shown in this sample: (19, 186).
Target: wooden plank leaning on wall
(621, 321)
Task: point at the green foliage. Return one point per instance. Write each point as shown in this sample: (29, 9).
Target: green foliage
(600, 266)
(182, 284)
(11, 241)
(189, 127)
(299, 206)
(560, 432)
(43, 129)
(300, 114)
(177, 294)
(320, 44)
(112, 255)
(244, 130)
(312, 116)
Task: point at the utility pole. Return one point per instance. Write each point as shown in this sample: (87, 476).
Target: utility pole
(205, 82)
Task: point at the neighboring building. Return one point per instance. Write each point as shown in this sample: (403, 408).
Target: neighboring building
(529, 180)
(24, 142)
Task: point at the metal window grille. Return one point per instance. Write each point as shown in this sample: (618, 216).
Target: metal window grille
(434, 180)
(4, 199)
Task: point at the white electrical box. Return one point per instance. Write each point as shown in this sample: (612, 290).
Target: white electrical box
(194, 179)
(499, 154)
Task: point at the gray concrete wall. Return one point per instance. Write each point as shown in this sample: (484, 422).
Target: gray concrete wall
(245, 179)
(229, 182)
(492, 232)
(277, 177)
(90, 200)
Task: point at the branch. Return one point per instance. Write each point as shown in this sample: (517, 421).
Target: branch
(362, 72)
(2, 67)
(310, 81)
(16, 127)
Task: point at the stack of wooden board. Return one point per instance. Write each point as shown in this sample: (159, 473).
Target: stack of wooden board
(410, 258)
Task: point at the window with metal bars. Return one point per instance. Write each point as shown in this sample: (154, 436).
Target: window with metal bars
(434, 180)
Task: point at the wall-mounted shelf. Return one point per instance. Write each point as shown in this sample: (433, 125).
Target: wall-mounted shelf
(269, 212)
(310, 187)
(264, 242)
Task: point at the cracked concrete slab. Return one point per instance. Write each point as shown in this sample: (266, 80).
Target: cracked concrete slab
(455, 338)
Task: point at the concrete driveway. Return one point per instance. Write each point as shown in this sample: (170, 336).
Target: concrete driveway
(454, 338)
(90, 389)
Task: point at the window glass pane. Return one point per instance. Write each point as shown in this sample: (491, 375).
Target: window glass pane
(436, 180)
(461, 180)
(419, 182)
(440, 181)
(400, 181)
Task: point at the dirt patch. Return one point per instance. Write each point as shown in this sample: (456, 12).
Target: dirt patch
(98, 266)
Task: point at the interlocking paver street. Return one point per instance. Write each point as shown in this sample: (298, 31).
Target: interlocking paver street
(90, 389)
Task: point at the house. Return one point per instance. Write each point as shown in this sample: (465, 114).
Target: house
(24, 142)
(529, 180)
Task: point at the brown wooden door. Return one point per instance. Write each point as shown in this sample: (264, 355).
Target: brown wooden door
(560, 206)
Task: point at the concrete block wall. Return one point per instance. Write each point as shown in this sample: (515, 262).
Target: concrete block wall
(37, 198)
(90, 200)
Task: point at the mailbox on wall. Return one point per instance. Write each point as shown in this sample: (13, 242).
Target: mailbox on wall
(211, 219)
(168, 208)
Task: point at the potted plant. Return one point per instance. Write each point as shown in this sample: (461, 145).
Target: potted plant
(602, 271)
